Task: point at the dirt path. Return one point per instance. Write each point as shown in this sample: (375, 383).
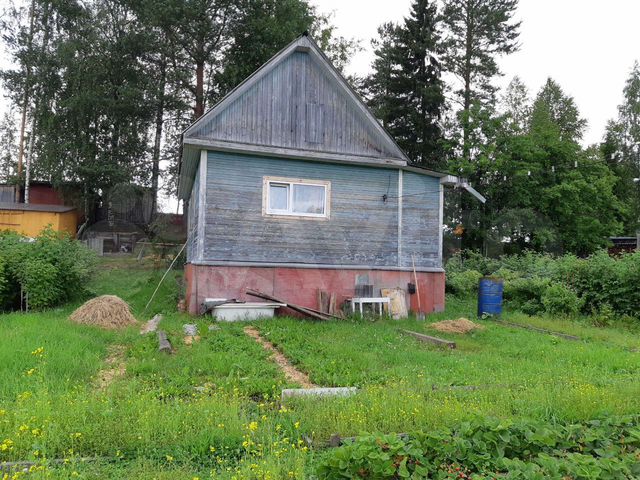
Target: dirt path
(115, 367)
(292, 374)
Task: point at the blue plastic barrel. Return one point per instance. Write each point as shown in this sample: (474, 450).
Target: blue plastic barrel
(490, 296)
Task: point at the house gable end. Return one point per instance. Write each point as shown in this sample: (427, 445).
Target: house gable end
(297, 102)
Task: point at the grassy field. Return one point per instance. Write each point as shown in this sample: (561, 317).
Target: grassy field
(212, 410)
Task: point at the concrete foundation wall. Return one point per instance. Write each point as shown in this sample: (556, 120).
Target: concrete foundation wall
(300, 285)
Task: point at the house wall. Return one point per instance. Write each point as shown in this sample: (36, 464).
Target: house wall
(421, 222)
(232, 246)
(361, 230)
(300, 285)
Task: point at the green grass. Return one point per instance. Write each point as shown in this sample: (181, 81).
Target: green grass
(213, 406)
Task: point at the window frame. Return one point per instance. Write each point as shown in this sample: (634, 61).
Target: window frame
(289, 213)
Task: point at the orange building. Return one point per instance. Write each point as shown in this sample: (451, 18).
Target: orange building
(31, 219)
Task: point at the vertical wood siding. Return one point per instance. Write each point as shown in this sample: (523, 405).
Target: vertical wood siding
(192, 220)
(297, 105)
(362, 230)
(420, 220)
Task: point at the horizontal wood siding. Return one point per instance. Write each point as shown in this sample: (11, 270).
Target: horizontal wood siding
(192, 220)
(362, 230)
(296, 105)
(420, 220)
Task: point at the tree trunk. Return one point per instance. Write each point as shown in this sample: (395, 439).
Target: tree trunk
(199, 107)
(25, 102)
(155, 169)
(466, 149)
(32, 135)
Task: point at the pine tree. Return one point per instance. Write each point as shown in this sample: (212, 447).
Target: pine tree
(405, 89)
(477, 33)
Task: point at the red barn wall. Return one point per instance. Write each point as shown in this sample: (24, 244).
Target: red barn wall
(300, 285)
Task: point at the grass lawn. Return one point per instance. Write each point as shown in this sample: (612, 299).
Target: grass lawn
(212, 410)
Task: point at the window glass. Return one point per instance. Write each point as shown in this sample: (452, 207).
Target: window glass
(278, 196)
(308, 199)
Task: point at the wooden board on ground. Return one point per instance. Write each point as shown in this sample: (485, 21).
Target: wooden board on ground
(429, 339)
(398, 303)
(539, 330)
(310, 312)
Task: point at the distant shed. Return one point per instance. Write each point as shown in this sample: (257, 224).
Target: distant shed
(30, 219)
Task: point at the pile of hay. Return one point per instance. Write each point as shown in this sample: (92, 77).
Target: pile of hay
(107, 311)
(461, 325)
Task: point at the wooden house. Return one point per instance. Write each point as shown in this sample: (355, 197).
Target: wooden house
(293, 186)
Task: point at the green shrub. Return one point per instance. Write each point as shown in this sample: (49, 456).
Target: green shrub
(492, 448)
(525, 294)
(586, 283)
(559, 299)
(463, 283)
(49, 271)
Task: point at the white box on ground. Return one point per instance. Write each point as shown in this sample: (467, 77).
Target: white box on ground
(236, 312)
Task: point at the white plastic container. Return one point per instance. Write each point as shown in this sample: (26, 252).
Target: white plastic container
(236, 312)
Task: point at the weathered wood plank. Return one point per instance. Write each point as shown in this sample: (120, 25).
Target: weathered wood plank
(151, 325)
(429, 339)
(539, 330)
(163, 342)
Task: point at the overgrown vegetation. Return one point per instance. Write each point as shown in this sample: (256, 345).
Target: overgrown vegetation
(212, 410)
(493, 448)
(599, 285)
(45, 272)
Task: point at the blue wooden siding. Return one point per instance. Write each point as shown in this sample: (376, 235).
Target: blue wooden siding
(362, 229)
(420, 220)
(296, 105)
(192, 220)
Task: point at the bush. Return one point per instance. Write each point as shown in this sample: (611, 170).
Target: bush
(525, 294)
(463, 283)
(578, 284)
(49, 271)
(492, 448)
(559, 299)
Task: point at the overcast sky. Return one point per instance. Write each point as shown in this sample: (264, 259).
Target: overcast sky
(588, 46)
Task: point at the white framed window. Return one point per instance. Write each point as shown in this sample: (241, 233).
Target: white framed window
(296, 197)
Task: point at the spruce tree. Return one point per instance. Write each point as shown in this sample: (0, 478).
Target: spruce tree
(405, 89)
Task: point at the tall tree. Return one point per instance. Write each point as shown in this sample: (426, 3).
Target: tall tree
(516, 106)
(553, 105)
(621, 148)
(405, 89)
(8, 148)
(477, 33)
(199, 34)
(264, 27)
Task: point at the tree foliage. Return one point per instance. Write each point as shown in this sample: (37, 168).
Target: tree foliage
(405, 89)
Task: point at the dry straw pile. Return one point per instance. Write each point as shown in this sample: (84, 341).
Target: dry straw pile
(106, 311)
(461, 325)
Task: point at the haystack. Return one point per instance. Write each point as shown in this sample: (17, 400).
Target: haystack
(461, 325)
(106, 311)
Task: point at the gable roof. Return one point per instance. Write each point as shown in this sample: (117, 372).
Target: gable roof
(296, 105)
